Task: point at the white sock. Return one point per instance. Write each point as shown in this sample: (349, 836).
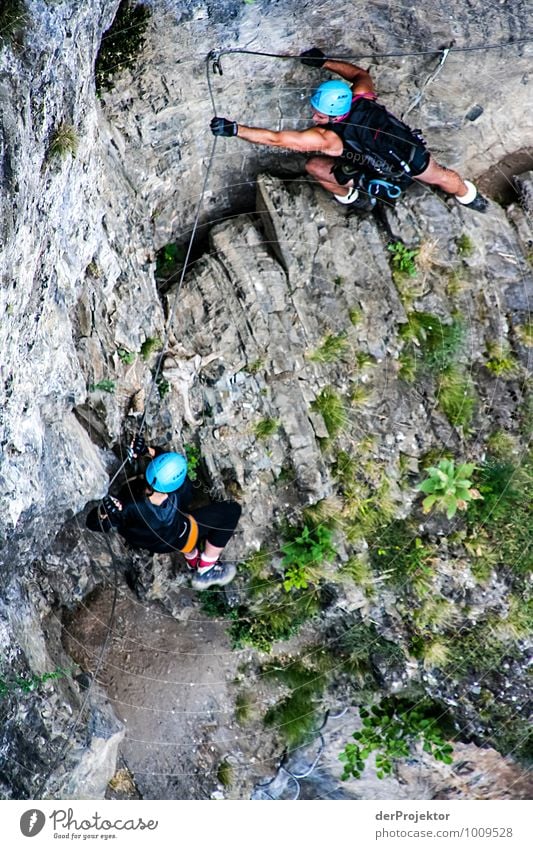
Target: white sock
(470, 195)
(351, 196)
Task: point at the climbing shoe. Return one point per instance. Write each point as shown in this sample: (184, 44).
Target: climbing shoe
(351, 197)
(480, 204)
(472, 199)
(219, 574)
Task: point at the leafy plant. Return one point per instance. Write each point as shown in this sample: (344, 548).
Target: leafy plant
(331, 407)
(149, 346)
(192, 453)
(403, 258)
(332, 349)
(391, 729)
(448, 488)
(103, 386)
(64, 141)
(27, 684)
(127, 357)
(121, 43)
(307, 548)
(266, 427)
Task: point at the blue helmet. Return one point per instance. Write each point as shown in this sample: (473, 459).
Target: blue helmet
(166, 472)
(332, 98)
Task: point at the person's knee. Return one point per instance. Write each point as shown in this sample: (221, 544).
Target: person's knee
(314, 166)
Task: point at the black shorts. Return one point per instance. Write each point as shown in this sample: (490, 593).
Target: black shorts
(345, 170)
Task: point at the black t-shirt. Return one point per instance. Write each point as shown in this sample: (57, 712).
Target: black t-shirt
(157, 528)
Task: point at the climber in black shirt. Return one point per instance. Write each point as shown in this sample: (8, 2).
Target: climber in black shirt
(154, 515)
(356, 143)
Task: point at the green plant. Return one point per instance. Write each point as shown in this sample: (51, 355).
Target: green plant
(403, 258)
(163, 386)
(121, 43)
(255, 366)
(64, 141)
(465, 245)
(225, 774)
(500, 361)
(266, 427)
(295, 717)
(439, 343)
(127, 357)
(149, 346)
(390, 729)
(456, 396)
(524, 332)
(399, 551)
(306, 549)
(332, 349)
(27, 684)
(244, 704)
(168, 259)
(331, 407)
(448, 488)
(355, 314)
(103, 386)
(192, 453)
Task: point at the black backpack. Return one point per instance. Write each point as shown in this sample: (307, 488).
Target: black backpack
(379, 140)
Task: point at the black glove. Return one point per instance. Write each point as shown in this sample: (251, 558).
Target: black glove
(111, 506)
(223, 127)
(313, 57)
(137, 448)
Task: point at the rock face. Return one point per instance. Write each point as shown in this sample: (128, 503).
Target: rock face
(80, 303)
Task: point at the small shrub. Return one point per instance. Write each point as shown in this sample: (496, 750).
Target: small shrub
(398, 550)
(266, 427)
(331, 407)
(331, 350)
(524, 332)
(121, 43)
(390, 729)
(150, 346)
(403, 258)
(103, 386)
(255, 366)
(448, 488)
(355, 314)
(64, 141)
(295, 717)
(244, 704)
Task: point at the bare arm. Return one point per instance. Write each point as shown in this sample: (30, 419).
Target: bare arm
(314, 140)
(359, 78)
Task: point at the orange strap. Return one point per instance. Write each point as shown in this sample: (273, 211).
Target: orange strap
(192, 538)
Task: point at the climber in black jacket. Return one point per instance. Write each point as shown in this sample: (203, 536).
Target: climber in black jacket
(357, 143)
(154, 515)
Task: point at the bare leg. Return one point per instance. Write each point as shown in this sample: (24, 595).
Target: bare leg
(319, 168)
(211, 553)
(446, 179)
